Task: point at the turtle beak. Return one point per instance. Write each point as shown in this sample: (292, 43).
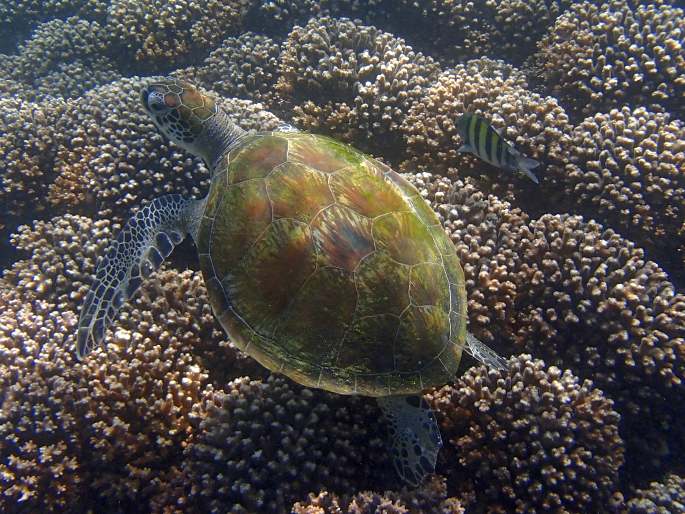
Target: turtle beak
(144, 94)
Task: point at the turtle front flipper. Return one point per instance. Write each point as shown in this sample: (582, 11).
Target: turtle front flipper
(141, 247)
(415, 437)
(483, 353)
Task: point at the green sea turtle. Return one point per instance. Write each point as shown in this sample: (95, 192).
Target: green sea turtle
(320, 262)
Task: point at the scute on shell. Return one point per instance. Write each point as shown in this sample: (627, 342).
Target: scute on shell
(324, 264)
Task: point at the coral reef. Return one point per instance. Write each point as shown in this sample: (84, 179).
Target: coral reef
(29, 137)
(430, 498)
(457, 30)
(171, 417)
(537, 125)
(626, 171)
(262, 445)
(160, 32)
(59, 42)
(352, 81)
(18, 16)
(665, 497)
(532, 439)
(243, 67)
(601, 55)
(98, 155)
(579, 296)
(116, 422)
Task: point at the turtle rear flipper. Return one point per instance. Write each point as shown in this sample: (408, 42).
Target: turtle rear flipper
(141, 247)
(414, 434)
(484, 354)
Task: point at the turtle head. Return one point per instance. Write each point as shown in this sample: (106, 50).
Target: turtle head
(184, 114)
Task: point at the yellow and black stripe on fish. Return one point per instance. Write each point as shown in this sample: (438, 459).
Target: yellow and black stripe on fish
(483, 141)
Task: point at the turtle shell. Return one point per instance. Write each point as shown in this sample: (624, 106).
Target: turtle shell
(327, 266)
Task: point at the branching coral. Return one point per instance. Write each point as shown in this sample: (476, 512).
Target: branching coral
(429, 498)
(16, 16)
(116, 422)
(352, 81)
(665, 497)
(29, 138)
(537, 125)
(459, 29)
(627, 171)
(244, 67)
(100, 154)
(59, 42)
(62, 58)
(164, 32)
(533, 439)
(578, 295)
(598, 56)
(279, 17)
(262, 445)
(114, 157)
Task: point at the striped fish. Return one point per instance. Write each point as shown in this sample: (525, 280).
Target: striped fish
(483, 141)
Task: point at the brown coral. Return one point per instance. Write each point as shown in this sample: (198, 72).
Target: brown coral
(533, 439)
(115, 423)
(18, 16)
(537, 125)
(59, 42)
(580, 296)
(626, 171)
(100, 154)
(164, 32)
(262, 445)
(29, 138)
(664, 497)
(244, 67)
(352, 81)
(457, 30)
(598, 56)
(430, 498)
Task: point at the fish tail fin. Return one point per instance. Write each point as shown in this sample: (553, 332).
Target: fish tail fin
(525, 165)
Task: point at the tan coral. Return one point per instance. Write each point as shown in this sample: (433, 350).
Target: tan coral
(163, 32)
(626, 171)
(117, 421)
(533, 439)
(244, 67)
(536, 125)
(59, 41)
(601, 55)
(25, 14)
(430, 498)
(664, 497)
(459, 29)
(352, 81)
(29, 138)
(580, 296)
(263, 445)
(113, 159)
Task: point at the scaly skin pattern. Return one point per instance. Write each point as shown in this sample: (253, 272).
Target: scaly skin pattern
(327, 266)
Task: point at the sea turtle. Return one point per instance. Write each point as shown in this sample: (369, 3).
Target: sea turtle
(320, 262)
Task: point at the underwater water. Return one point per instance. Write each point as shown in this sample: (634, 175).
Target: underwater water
(573, 269)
